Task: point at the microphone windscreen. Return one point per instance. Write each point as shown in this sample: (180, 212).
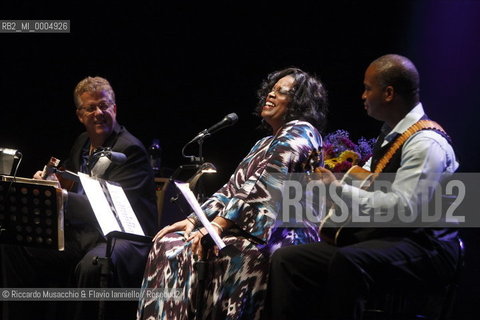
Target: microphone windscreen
(232, 117)
(117, 157)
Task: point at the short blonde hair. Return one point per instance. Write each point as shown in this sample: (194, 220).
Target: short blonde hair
(92, 84)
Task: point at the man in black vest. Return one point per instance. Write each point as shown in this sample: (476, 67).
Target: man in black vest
(331, 281)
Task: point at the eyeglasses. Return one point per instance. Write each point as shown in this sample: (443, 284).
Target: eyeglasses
(282, 91)
(103, 106)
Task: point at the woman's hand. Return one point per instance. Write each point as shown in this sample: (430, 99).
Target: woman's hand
(185, 225)
(219, 224)
(196, 239)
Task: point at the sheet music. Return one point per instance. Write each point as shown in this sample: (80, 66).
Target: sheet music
(124, 210)
(192, 200)
(98, 201)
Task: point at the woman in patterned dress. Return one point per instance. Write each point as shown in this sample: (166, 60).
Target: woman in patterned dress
(293, 105)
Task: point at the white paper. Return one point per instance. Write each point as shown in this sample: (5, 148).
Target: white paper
(98, 201)
(192, 200)
(124, 210)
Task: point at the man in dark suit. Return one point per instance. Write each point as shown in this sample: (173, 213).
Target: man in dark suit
(26, 267)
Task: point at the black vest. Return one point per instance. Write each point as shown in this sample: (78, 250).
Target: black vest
(420, 234)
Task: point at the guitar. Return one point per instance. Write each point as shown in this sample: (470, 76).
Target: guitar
(330, 231)
(52, 168)
(338, 233)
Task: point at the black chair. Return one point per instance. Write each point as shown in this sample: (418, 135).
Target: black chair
(397, 303)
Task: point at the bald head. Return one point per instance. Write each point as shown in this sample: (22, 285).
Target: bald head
(400, 73)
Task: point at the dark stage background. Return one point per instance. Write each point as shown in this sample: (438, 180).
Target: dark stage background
(178, 67)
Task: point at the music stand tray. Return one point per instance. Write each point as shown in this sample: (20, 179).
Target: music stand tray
(31, 213)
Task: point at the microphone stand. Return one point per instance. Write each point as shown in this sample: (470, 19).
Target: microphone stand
(200, 151)
(200, 266)
(196, 162)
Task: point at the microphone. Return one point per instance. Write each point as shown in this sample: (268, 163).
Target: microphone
(101, 159)
(228, 120)
(116, 157)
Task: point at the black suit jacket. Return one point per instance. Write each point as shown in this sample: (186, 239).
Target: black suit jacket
(135, 176)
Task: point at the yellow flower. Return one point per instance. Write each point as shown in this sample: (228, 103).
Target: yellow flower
(350, 156)
(330, 163)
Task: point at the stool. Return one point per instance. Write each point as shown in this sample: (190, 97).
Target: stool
(420, 303)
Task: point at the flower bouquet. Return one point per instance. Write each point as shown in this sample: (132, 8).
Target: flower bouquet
(341, 153)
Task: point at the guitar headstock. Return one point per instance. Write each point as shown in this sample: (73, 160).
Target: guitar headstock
(50, 167)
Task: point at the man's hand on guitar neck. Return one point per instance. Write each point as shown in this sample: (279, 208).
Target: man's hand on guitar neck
(39, 176)
(48, 172)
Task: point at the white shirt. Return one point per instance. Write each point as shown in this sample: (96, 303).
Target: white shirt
(426, 158)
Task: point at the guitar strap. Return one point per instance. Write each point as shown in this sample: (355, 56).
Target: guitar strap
(420, 125)
(333, 236)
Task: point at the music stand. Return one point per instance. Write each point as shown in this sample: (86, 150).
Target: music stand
(31, 213)
(105, 262)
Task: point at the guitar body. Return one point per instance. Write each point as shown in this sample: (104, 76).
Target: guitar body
(52, 168)
(65, 183)
(340, 234)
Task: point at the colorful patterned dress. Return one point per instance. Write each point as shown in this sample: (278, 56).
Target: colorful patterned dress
(236, 286)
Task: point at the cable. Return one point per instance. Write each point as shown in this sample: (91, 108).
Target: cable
(192, 157)
(20, 157)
